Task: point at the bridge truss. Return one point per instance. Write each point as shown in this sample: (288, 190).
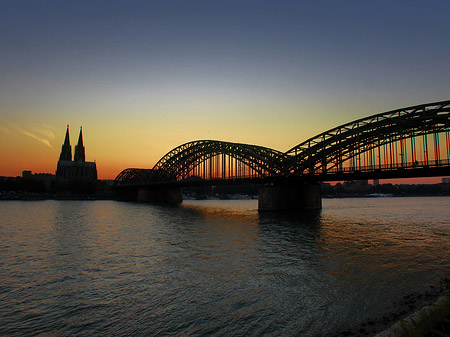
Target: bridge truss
(404, 141)
(209, 160)
(409, 138)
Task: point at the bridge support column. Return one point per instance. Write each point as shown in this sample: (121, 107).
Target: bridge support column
(172, 195)
(296, 197)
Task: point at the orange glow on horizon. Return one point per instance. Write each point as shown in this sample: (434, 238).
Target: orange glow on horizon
(114, 147)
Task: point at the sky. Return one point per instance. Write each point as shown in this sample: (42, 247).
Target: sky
(142, 77)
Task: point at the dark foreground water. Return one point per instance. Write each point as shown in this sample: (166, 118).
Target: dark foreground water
(214, 267)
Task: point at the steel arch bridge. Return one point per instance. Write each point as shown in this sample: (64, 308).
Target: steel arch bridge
(412, 141)
(209, 159)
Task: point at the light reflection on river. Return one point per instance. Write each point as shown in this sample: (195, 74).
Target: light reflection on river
(214, 267)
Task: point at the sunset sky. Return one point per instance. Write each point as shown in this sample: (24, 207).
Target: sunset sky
(143, 77)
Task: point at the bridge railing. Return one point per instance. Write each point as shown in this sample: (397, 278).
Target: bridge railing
(231, 177)
(408, 139)
(393, 166)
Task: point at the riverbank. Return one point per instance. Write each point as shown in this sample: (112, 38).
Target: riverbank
(415, 315)
(431, 320)
(42, 196)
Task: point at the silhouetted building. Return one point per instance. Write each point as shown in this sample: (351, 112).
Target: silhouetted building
(356, 186)
(45, 178)
(79, 149)
(66, 149)
(79, 168)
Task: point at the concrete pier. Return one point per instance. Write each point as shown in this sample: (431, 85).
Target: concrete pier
(171, 195)
(296, 197)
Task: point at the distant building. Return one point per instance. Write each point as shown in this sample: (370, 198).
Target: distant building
(46, 178)
(27, 174)
(78, 168)
(356, 186)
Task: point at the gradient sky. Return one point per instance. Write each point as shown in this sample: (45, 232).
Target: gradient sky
(143, 77)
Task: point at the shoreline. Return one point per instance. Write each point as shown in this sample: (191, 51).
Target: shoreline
(414, 315)
(39, 197)
(421, 322)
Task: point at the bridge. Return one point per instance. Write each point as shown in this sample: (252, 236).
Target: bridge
(403, 143)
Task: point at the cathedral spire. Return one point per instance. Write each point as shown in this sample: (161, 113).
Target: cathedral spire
(66, 150)
(79, 148)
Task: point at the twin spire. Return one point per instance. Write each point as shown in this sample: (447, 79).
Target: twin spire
(66, 150)
(79, 148)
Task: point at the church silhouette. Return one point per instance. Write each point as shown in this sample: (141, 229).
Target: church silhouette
(78, 168)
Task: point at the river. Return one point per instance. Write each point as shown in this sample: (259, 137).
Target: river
(214, 267)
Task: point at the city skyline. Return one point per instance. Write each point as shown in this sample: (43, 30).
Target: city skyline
(144, 77)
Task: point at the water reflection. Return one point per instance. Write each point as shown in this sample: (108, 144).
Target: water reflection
(213, 267)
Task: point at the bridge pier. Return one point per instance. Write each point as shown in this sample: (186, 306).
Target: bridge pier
(295, 197)
(171, 195)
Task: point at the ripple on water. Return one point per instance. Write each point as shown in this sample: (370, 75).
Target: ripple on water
(214, 267)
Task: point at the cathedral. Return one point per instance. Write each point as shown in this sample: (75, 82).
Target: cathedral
(78, 168)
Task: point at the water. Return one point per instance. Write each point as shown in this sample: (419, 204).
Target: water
(213, 267)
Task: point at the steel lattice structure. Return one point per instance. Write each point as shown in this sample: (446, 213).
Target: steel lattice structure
(209, 159)
(182, 160)
(381, 141)
(408, 138)
(135, 176)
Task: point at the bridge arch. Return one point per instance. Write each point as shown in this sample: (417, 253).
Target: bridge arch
(135, 176)
(222, 160)
(402, 138)
(407, 138)
(208, 159)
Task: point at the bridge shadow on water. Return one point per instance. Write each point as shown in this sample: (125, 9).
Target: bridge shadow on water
(292, 225)
(242, 213)
(294, 233)
(304, 221)
(310, 220)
